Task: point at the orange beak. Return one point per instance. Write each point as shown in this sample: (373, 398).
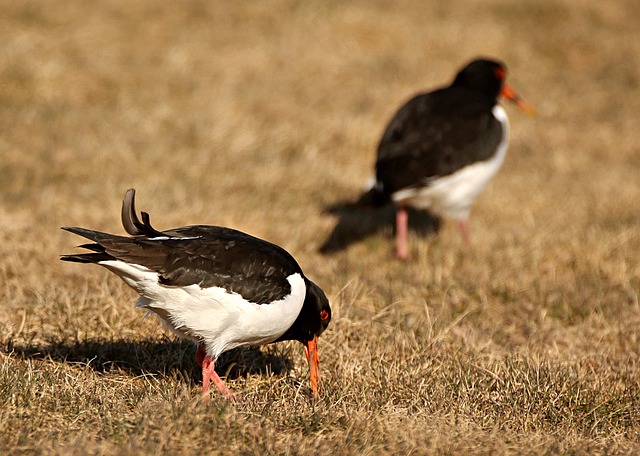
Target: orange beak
(313, 358)
(510, 94)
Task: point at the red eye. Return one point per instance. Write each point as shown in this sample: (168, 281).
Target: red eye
(500, 73)
(324, 315)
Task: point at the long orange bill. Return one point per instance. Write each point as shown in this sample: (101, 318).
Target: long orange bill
(510, 94)
(313, 358)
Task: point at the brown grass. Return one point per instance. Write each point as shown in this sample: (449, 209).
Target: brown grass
(258, 115)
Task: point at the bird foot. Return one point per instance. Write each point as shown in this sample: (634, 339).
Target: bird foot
(209, 375)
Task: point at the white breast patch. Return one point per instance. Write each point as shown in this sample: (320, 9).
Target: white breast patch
(452, 195)
(220, 319)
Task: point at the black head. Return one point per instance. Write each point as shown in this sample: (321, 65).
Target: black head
(314, 316)
(482, 75)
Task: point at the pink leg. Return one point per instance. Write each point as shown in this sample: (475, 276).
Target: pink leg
(464, 230)
(402, 223)
(209, 375)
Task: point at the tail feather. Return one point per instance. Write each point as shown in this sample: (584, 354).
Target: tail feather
(95, 247)
(130, 220)
(373, 196)
(131, 223)
(92, 235)
(87, 257)
(367, 199)
(99, 252)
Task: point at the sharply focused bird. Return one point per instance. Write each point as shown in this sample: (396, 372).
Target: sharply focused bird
(442, 148)
(216, 286)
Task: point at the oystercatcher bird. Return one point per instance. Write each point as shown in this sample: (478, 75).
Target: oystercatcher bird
(214, 285)
(442, 148)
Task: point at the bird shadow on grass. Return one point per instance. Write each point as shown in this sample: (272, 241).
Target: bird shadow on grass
(357, 223)
(163, 357)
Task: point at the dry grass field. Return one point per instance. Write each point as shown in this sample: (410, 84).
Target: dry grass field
(260, 116)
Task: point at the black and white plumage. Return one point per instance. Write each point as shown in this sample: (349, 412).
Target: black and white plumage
(442, 148)
(217, 286)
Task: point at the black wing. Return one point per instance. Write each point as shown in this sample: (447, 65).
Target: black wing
(434, 135)
(208, 256)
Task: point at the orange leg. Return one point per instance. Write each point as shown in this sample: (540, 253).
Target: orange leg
(208, 364)
(402, 227)
(465, 231)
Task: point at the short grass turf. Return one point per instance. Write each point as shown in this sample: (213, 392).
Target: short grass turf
(261, 116)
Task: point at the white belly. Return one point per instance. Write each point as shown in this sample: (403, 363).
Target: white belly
(220, 319)
(452, 195)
